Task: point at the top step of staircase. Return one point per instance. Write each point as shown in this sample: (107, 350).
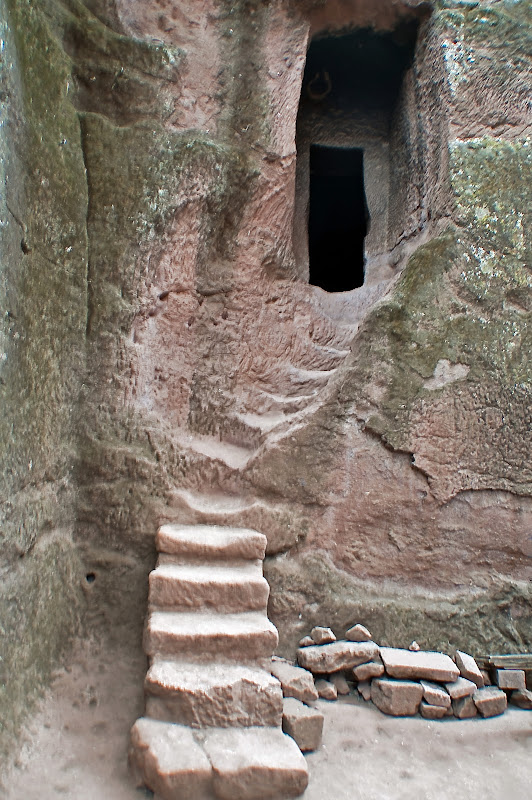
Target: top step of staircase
(210, 542)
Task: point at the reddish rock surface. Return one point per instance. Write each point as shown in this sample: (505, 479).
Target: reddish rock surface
(184, 368)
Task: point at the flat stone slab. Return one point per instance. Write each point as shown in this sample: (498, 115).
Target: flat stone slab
(510, 679)
(255, 764)
(214, 586)
(490, 701)
(469, 668)
(295, 681)
(327, 658)
(212, 695)
(210, 542)
(203, 636)
(395, 697)
(435, 695)
(166, 758)
(303, 724)
(422, 664)
(461, 687)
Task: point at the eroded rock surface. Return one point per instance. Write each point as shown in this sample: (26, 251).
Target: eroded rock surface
(165, 358)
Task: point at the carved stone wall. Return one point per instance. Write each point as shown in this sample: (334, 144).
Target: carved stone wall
(180, 366)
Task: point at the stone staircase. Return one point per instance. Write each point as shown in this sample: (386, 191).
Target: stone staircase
(212, 726)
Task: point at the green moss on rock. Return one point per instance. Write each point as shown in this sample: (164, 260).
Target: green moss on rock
(41, 604)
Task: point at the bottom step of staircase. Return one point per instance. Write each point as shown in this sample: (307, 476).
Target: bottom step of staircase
(222, 763)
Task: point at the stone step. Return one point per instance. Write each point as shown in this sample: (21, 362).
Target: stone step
(202, 586)
(204, 636)
(167, 759)
(229, 764)
(210, 542)
(255, 764)
(212, 695)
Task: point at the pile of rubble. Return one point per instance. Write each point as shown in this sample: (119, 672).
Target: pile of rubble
(399, 682)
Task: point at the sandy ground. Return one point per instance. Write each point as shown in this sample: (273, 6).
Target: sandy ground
(75, 745)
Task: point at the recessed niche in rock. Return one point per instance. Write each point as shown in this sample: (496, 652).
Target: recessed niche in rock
(338, 218)
(351, 155)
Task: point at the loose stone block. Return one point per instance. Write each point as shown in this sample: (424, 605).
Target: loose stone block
(251, 763)
(321, 635)
(395, 697)
(364, 672)
(490, 701)
(166, 758)
(461, 687)
(465, 707)
(468, 668)
(522, 699)
(486, 677)
(295, 681)
(432, 712)
(434, 695)
(510, 679)
(326, 689)
(358, 633)
(303, 724)
(364, 689)
(339, 682)
(409, 664)
(328, 658)
(306, 641)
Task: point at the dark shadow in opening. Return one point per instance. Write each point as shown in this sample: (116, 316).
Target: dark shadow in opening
(338, 218)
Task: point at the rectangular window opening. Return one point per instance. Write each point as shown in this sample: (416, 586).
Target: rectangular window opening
(338, 218)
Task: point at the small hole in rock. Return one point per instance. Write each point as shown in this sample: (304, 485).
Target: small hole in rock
(90, 577)
(24, 246)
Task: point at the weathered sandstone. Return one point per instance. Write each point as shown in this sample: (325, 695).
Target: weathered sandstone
(510, 679)
(432, 712)
(364, 672)
(465, 707)
(295, 681)
(490, 701)
(320, 635)
(358, 633)
(396, 697)
(522, 698)
(303, 724)
(461, 687)
(169, 761)
(435, 695)
(212, 695)
(468, 668)
(256, 762)
(326, 689)
(333, 657)
(423, 664)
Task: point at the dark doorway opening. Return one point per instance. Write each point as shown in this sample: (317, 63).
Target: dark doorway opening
(338, 218)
